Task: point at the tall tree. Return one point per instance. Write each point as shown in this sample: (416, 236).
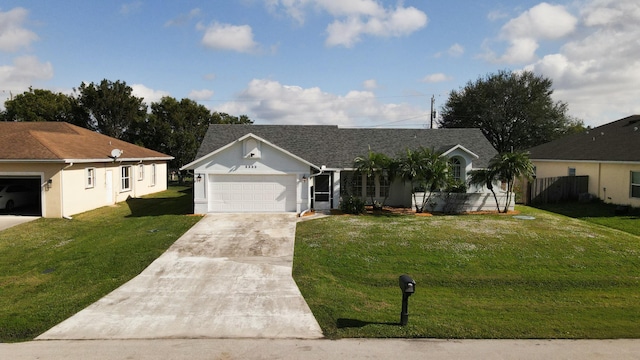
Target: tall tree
(514, 110)
(44, 105)
(176, 128)
(111, 108)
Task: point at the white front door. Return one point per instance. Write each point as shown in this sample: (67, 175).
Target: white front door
(108, 182)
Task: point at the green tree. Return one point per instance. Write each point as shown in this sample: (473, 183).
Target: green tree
(425, 170)
(44, 105)
(111, 108)
(505, 167)
(372, 165)
(514, 110)
(175, 128)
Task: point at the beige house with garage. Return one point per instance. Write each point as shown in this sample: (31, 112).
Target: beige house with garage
(72, 169)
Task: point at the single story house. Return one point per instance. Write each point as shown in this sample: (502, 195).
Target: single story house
(609, 155)
(295, 168)
(72, 169)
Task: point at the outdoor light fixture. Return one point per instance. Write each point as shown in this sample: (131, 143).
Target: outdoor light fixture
(199, 178)
(304, 178)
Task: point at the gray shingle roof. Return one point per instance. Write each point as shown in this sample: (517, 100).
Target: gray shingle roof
(615, 141)
(337, 147)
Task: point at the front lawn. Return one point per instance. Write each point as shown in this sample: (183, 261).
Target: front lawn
(52, 268)
(611, 215)
(478, 276)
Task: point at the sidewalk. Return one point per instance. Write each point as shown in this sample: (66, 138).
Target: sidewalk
(351, 349)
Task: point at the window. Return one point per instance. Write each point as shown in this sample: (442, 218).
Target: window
(90, 178)
(384, 185)
(371, 186)
(140, 172)
(456, 169)
(635, 184)
(153, 174)
(125, 176)
(572, 171)
(350, 184)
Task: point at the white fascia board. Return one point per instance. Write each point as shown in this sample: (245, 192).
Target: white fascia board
(193, 165)
(461, 148)
(588, 161)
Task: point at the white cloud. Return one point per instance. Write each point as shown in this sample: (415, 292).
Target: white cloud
(435, 78)
(149, 95)
(228, 37)
(497, 15)
(204, 94)
(129, 8)
(524, 33)
(209, 76)
(597, 72)
(456, 50)
(26, 71)
(370, 84)
(13, 36)
(355, 18)
(183, 19)
(401, 22)
(269, 102)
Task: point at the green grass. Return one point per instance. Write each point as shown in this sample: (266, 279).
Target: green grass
(52, 268)
(478, 276)
(599, 213)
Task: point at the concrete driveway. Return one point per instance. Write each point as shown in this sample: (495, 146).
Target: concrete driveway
(229, 276)
(7, 221)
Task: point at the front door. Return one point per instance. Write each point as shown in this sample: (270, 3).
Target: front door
(322, 192)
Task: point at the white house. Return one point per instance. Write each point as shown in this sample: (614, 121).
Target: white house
(295, 168)
(71, 169)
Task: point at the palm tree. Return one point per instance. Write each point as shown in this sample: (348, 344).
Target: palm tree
(484, 177)
(372, 165)
(423, 168)
(509, 166)
(505, 167)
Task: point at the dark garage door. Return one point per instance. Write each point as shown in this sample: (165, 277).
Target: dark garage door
(20, 195)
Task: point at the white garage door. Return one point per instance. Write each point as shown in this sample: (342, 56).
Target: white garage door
(252, 193)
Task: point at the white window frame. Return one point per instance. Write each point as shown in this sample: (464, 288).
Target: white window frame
(90, 178)
(153, 174)
(634, 185)
(125, 178)
(140, 172)
(456, 168)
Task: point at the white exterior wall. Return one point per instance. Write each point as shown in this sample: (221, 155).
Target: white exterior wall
(232, 161)
(78, 197)
(465, 202)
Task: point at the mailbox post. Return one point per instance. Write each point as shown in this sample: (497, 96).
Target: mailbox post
(408, 287)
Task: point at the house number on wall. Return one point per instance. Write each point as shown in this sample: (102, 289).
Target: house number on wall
(250, 167)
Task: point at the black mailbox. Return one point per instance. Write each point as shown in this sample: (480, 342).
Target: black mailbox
(407, 285)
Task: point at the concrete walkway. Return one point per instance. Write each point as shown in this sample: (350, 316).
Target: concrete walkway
(229, 276)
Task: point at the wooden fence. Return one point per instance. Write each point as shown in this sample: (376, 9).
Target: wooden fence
(557, 189)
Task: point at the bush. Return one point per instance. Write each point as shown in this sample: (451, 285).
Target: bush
(352, 205)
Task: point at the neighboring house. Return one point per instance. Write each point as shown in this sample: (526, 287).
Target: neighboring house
(294, 168)
(609, 155)
(72, 169)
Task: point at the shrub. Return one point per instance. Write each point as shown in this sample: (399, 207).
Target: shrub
(352, 205)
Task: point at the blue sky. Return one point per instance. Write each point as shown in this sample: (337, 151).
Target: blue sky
(353, 63)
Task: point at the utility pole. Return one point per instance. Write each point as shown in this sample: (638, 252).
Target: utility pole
(433, 112)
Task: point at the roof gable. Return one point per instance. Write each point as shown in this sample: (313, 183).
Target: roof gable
(615, 141)
(60, 141)
(337, 147)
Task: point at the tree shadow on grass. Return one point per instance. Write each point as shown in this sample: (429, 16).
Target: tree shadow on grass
(157, 206)
(354, 323)
(580, 210)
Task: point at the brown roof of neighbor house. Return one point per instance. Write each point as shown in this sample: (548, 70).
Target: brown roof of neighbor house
(60, 141)
(615, 141)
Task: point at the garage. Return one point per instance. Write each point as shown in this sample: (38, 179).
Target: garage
(20, 195)
(252, 193)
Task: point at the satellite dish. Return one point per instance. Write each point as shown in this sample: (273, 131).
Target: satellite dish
(115, 153)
